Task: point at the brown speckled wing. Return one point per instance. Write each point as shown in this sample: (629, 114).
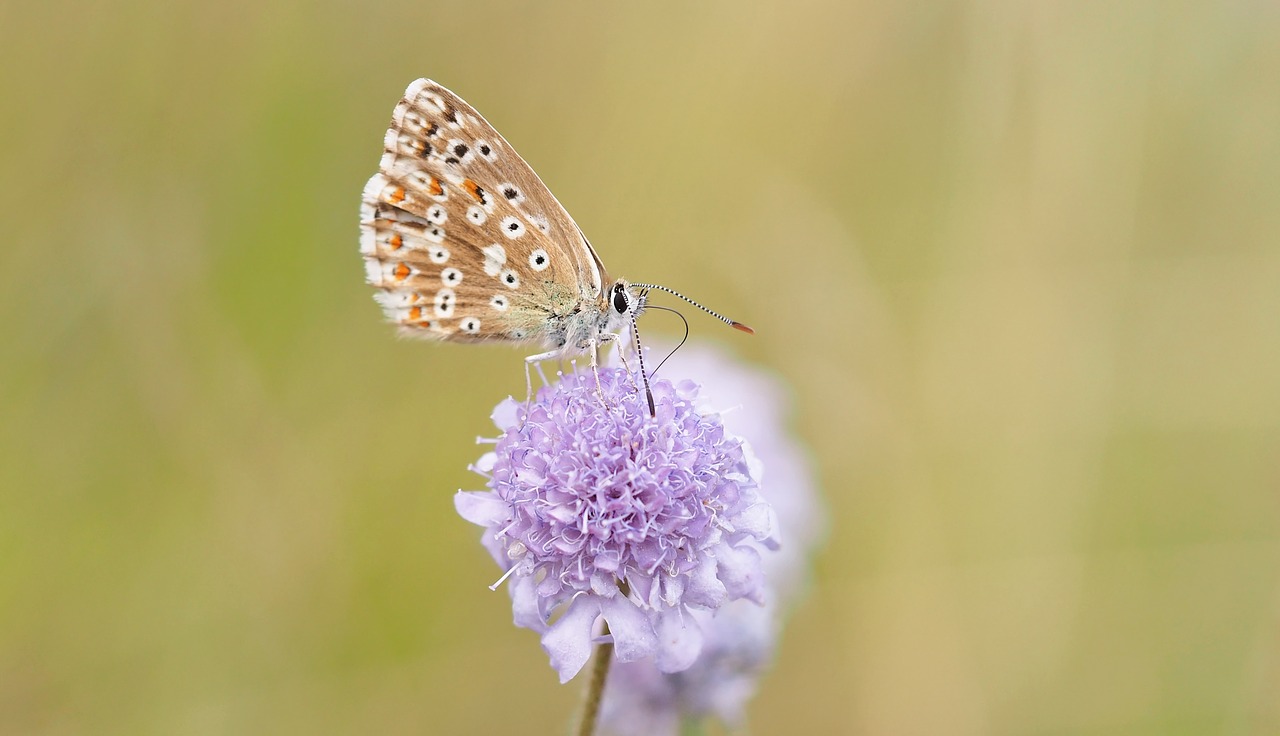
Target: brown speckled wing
(459, 235)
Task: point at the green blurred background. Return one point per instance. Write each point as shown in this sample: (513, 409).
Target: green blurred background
(1018, 262)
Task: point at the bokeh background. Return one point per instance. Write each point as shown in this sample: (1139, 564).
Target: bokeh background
(1018, 264)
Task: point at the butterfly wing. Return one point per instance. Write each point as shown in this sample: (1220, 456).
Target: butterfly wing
(462, 239)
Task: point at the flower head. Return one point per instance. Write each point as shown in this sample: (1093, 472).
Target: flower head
(740, 639)
(599, 511)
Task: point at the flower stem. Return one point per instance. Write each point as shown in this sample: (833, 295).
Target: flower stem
(595, 687)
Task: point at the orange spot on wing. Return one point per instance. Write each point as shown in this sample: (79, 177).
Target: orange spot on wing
(394, 241)
(415, 314)
(401, 272)
(474, 190)
(434, 187)
(397, 195)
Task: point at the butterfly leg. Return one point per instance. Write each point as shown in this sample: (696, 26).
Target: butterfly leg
(595, 368)
(619, 350)
(531, 361)
(609, 337)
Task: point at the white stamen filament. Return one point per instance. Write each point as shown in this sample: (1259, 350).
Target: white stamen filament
(514, 552)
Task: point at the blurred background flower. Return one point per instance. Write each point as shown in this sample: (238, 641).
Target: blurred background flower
(1016, 263)
(741, 637)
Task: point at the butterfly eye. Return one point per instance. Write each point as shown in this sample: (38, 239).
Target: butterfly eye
(621, 299)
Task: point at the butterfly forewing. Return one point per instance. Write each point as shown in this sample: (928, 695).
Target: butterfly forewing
(462, 238)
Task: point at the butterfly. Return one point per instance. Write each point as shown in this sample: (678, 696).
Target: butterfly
(464, 242)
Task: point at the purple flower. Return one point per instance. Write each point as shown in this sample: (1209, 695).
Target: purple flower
(740, 639)
(597, 510)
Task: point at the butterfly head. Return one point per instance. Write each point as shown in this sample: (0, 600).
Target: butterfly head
(624, 301)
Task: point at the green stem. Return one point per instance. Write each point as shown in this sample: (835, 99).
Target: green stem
(595, 687)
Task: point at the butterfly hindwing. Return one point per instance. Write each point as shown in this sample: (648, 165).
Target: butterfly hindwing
(462, 238)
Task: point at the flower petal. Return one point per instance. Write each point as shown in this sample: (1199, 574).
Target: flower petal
(481, 507)
(705, 588)
(524, 603)
(506, 414)
(679, 640)
(758, 520)
(633, 636)
(740, 571)
(484, 465)
(568, 641)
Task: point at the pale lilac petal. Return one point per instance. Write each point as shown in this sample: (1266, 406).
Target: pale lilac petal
(739, 644)
(646, 704)
(506, 414)
(672, 591)
(705, 588)
(485, 464)
(525, 604)
(631, 629)
(757, 520)
(739, 570)
(481, 507)
(679, 641)
(568, 641)
(604, 584)
(643, 587)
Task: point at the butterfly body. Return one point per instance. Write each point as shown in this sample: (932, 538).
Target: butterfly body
(466, 244)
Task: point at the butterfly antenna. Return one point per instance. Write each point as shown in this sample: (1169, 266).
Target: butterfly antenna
(648, 392)
(732, 323)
